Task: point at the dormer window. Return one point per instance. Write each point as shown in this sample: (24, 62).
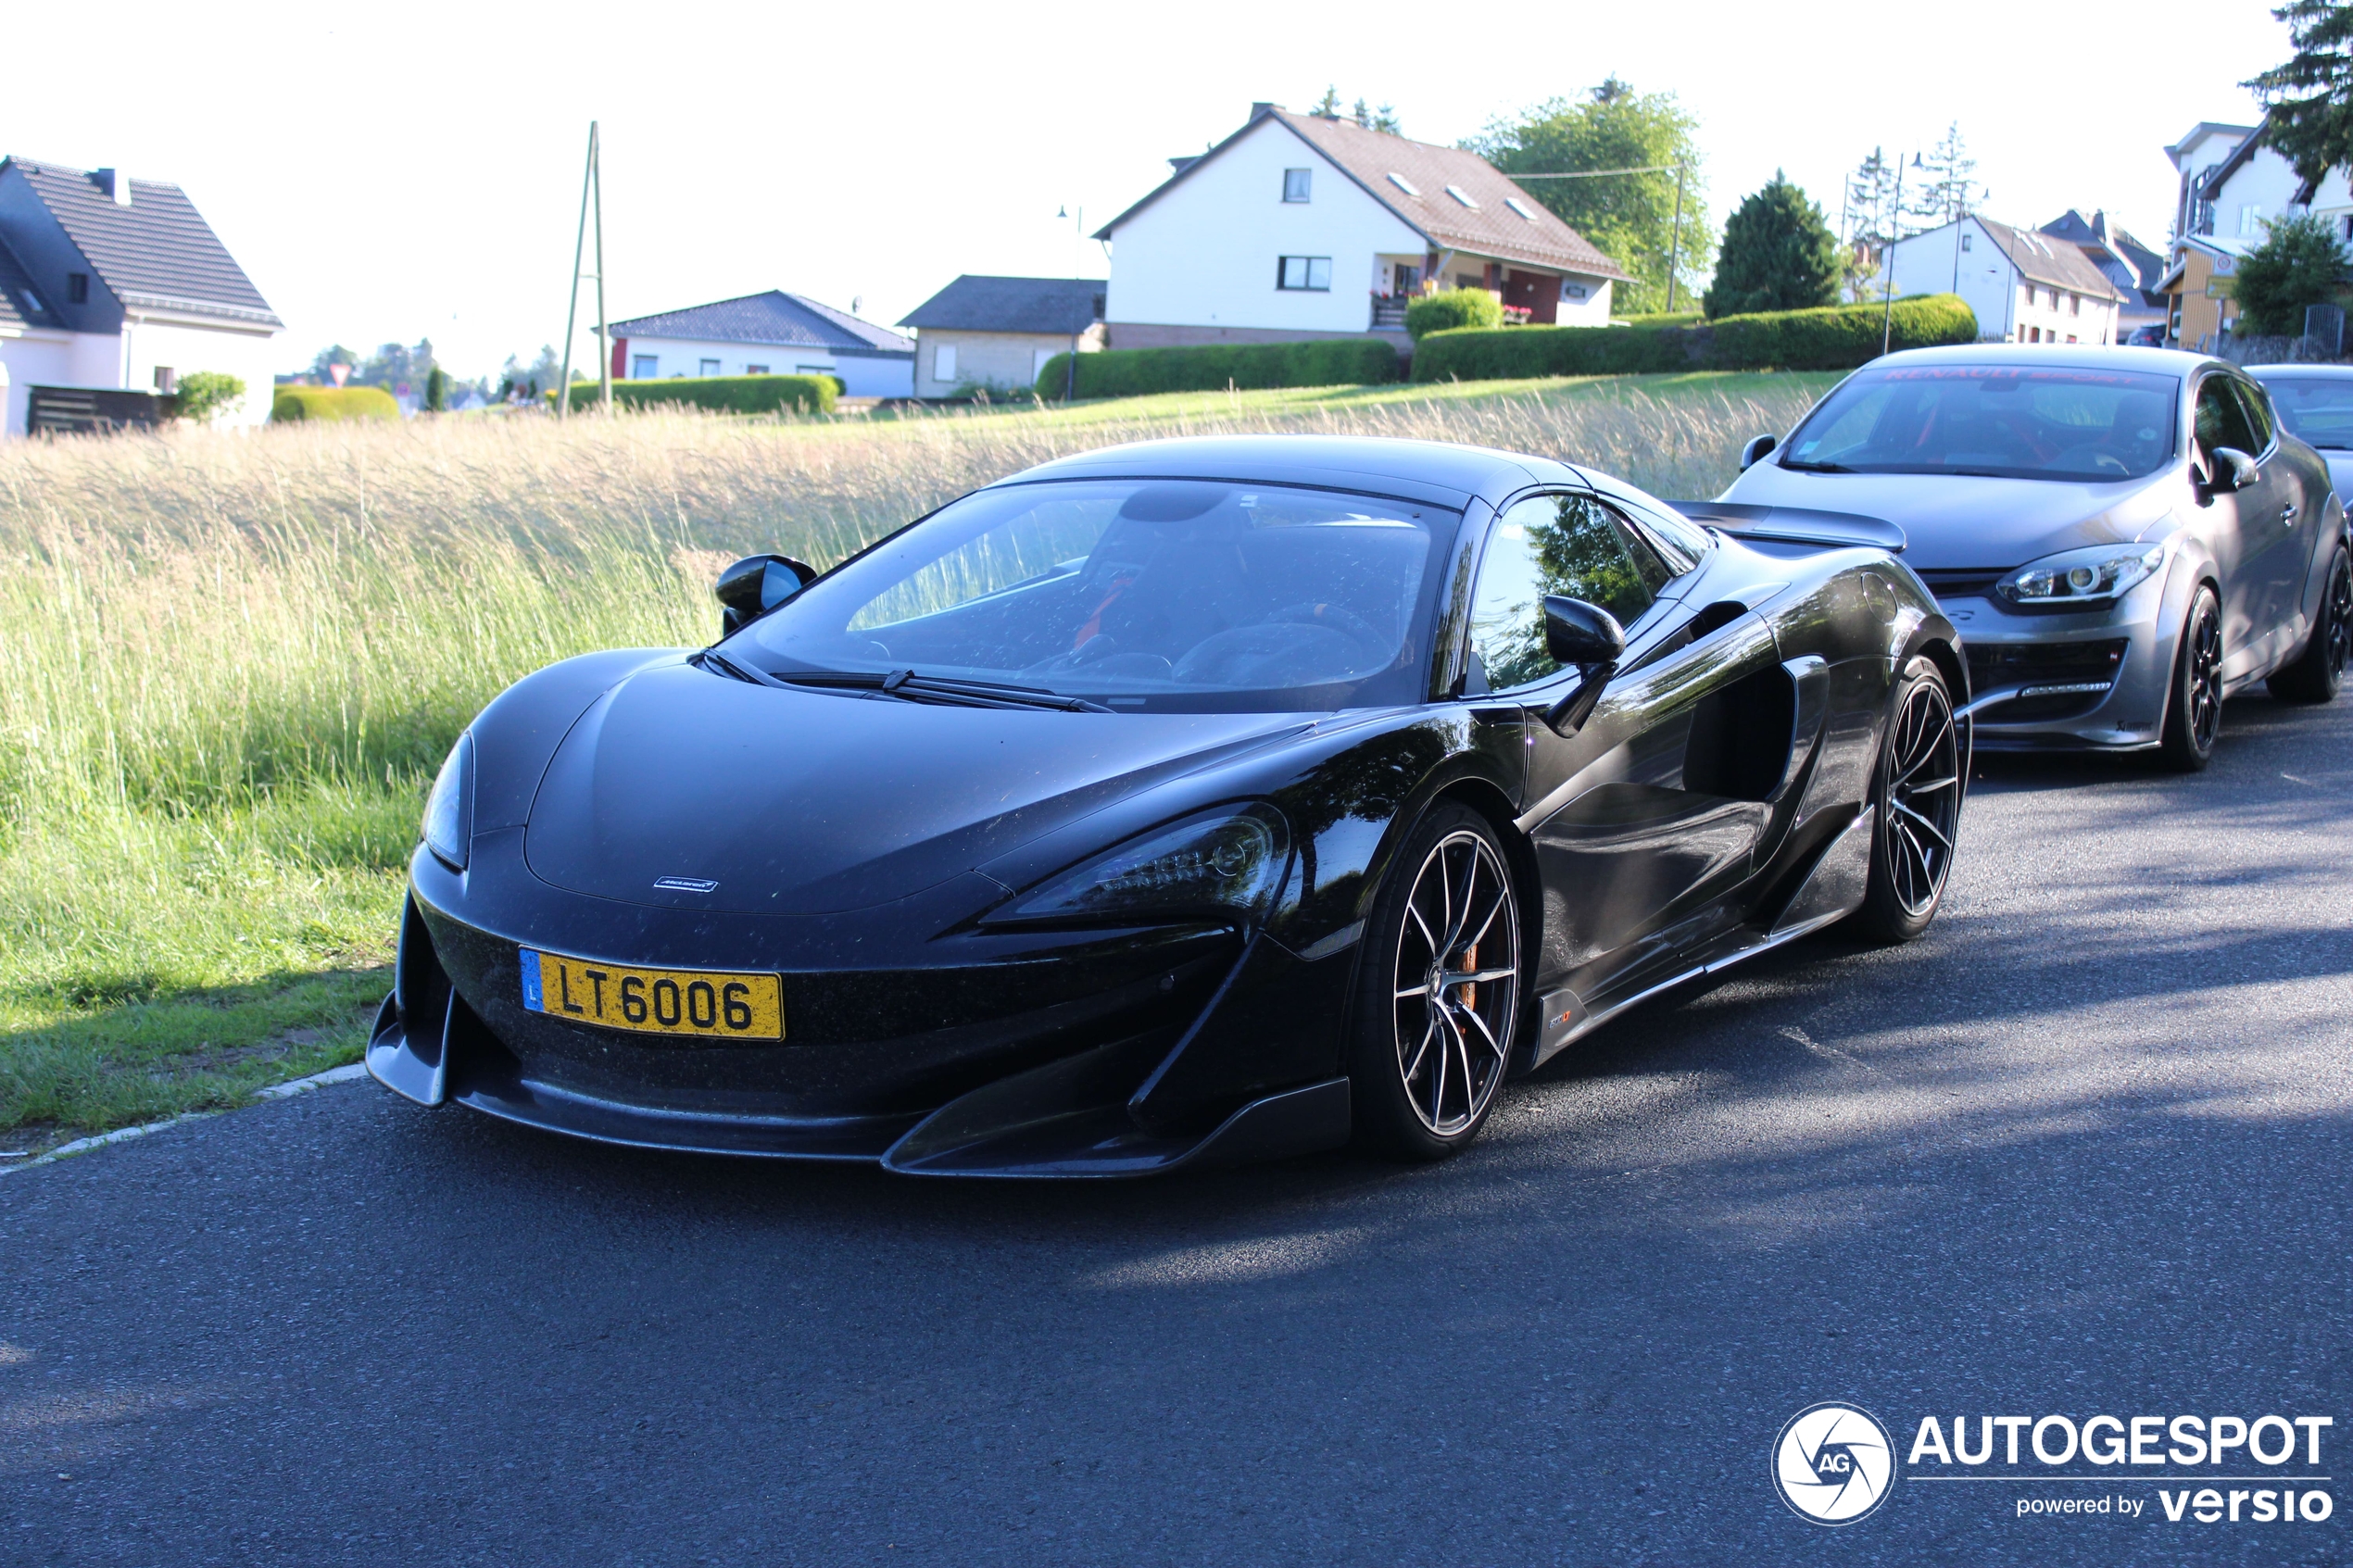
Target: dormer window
(77, 288)
(1404, 185)
(1519, 206)
(1460, 195)
(1297, 183)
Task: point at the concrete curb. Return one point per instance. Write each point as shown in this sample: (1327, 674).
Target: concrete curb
(124, 1135)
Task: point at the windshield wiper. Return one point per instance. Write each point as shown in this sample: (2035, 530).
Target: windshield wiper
(907, 686)
(1802, 467)
(733, 670)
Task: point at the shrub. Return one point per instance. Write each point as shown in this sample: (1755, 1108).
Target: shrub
(1450, 309)
(202, 394)
(1777, 255)
(721, 394)
(1837, 338)
(437, 391)
(2300, 262)
(1658, 318)
(296, 403)
(1136, 372)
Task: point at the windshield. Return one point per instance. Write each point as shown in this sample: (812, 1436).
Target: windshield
(1178, 595)
(2006, 420)
(2317, 409)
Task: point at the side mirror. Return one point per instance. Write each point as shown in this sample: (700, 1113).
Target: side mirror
(1588, 635)
(755, 585)
(1756, 451)
(1576, 633)
(2233, 472)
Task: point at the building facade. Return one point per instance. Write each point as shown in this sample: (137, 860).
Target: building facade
(2024, 286)
(762, 334)
(995, 334)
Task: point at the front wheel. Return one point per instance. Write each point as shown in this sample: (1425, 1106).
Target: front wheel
(1915, 792)
(2194, 711)
(1438, 998)
(2319, 671)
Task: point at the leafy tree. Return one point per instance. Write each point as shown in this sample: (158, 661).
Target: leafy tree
(2310, 97)
(1779, 255)
(532, 379)
(1630, 217)
(2300, 262)
(204, 393)
(396, 368)
(1946, 188)
(323, 364)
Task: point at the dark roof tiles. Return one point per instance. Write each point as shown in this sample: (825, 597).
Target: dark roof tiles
(157, 253)
(774, 317)
(977, 303)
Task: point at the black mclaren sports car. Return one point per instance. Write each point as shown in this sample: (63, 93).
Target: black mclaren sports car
(1182, 803)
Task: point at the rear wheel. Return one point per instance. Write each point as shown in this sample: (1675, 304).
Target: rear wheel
(2319, 671)
(1915, 792)
(1439, 991)
(2194, 710)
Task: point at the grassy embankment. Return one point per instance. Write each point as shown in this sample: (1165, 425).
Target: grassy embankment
(232, 663)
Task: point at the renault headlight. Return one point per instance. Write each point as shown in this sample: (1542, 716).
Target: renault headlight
(2090, 577)
(449, 810)
(1220, 865)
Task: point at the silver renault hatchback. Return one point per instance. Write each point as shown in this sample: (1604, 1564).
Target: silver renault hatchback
(2125, 537)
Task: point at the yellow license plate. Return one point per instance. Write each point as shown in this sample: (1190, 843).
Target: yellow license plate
(708, 1004)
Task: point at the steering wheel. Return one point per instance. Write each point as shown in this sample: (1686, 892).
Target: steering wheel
(2100, 459)
(1308, 613)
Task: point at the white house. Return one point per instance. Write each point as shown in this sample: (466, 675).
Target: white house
(998, 332)
(111, 285)
(1299, 227)
(762, 334)
(2025, 286)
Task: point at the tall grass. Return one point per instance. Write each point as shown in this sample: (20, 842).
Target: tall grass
(231, 663)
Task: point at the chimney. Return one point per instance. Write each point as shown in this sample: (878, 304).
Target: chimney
(114, 182)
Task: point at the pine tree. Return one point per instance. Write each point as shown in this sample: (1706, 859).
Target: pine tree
(2310, 97)
(1871, 220)
(1327, 107)
(1778, 254)
(1947, 190)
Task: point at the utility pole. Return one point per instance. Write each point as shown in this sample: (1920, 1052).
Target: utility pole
(591, 190)
(1887, 315)
(1078, 251)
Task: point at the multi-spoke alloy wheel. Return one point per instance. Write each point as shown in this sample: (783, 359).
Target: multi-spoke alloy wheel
(1918, 796)
(1923, 798)
(2194, 717)
(1457, 982)
(2318, 674)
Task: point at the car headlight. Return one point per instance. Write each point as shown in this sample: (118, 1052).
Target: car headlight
(1220, 865)
(2100, 575)
(449, 810)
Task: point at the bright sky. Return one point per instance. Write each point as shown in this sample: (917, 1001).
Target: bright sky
(398, 171)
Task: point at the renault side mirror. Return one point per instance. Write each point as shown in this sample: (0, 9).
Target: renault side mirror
(1586, 635)
(1756, 451)
(755, 585)
(2233, 472)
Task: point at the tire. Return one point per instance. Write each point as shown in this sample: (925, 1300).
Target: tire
(1915, 799)
(2194, 705)
(1423, 1074)
(2318, 674)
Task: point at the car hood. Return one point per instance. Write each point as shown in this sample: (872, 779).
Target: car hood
(1958, 520)
(812, 803)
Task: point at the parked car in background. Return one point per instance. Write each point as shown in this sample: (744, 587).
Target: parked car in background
(2148, 336)
(2316, 404)
(2124, 538)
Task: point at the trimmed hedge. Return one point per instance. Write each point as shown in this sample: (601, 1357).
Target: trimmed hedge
(1833, 338)
(293, 404)
(1137, 373)
(1451, 309)
(721, 394)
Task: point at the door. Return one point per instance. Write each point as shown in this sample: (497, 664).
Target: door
(1631, 816)
(2286, 518)
(2260, 571)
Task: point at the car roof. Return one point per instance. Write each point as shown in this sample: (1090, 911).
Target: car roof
(2325, 372)
(2074, 357)
(1433, 471)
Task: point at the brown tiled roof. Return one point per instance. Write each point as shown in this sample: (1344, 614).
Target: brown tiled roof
(1488, 225)
(2048, 259)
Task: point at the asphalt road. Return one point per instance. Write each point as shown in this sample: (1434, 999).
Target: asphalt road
(2081, 1149)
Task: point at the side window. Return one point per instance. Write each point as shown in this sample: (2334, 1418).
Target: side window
(2258, 416)
(1567, 545)
(2221, 419)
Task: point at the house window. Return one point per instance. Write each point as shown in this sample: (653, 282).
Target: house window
(1295, 184)
(2250, 223)
(943, 362)
(755, 369)
(1038, 360)
(1462, 196)
(2074, 306)
(707, 367)
(1310, 272)
(77, 288)
(166, 379)
(644, 367)
(1470, 280)
(1572, 290)
(1519, 206)
(1404, 185)
(1965, 239)
(812, 370)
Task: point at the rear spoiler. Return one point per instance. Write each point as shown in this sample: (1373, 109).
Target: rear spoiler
(1795, 525)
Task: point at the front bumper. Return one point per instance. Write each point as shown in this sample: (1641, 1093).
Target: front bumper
(2097, 680)
(1050, 1053)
